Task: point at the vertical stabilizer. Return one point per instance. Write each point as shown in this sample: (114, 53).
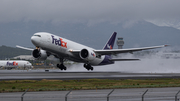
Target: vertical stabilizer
(110, 43)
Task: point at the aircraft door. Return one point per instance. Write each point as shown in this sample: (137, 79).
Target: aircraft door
(48, 40)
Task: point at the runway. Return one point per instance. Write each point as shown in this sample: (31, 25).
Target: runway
(65, 75)
(133, 94)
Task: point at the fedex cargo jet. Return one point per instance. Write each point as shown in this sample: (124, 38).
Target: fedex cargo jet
(49, 44)
(9, 64)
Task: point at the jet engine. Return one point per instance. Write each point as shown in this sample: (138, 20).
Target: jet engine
(87, 55)
(39, 54)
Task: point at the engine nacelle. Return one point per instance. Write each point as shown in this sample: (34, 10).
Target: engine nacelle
(39, 54)
(87, 55)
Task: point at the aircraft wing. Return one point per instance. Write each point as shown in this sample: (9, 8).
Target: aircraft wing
(118, 51)
(109, 51)
(24, 48)
(130, 50)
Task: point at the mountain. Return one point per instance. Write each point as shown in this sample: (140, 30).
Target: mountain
(169, 23)
(135, 33)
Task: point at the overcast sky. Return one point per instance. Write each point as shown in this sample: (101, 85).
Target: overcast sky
(87, 11)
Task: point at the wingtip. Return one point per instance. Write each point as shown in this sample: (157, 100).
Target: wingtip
(166, 45)
(17, 46)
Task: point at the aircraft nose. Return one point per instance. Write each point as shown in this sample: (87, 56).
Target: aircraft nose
(34, 40)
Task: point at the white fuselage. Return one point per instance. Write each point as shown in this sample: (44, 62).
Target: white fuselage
(15, 63)
(61, 47)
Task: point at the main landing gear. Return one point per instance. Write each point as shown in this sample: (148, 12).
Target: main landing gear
(61, 66)
(88, 67)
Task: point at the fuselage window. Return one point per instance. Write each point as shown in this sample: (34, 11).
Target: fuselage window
(38, 35)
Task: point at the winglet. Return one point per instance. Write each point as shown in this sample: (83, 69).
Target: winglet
(110, 43)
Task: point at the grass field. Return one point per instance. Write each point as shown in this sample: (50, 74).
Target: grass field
(59, 85)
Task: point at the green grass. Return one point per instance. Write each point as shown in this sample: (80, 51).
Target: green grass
(60, 85)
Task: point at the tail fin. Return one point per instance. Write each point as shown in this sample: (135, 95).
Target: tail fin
(110, 43)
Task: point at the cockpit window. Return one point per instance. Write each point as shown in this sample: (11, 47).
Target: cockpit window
(38, 35)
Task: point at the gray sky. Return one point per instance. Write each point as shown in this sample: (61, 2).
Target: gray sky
(67, 14)
(87, 11)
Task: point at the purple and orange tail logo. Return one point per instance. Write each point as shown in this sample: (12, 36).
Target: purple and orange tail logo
(109, 46)
(110, 43)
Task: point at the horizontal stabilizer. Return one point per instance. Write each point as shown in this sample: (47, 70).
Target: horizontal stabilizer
(124, 59)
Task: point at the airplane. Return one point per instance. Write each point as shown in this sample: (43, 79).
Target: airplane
(9, 64)
(49, 44)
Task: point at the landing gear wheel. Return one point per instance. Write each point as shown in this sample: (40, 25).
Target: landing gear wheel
(85, 65)
(64, 67)
(61, 66)
(92, 68)
(88, 67)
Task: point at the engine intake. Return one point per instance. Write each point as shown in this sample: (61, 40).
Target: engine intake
(84, 53)
(87, 55)
(39, 54)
